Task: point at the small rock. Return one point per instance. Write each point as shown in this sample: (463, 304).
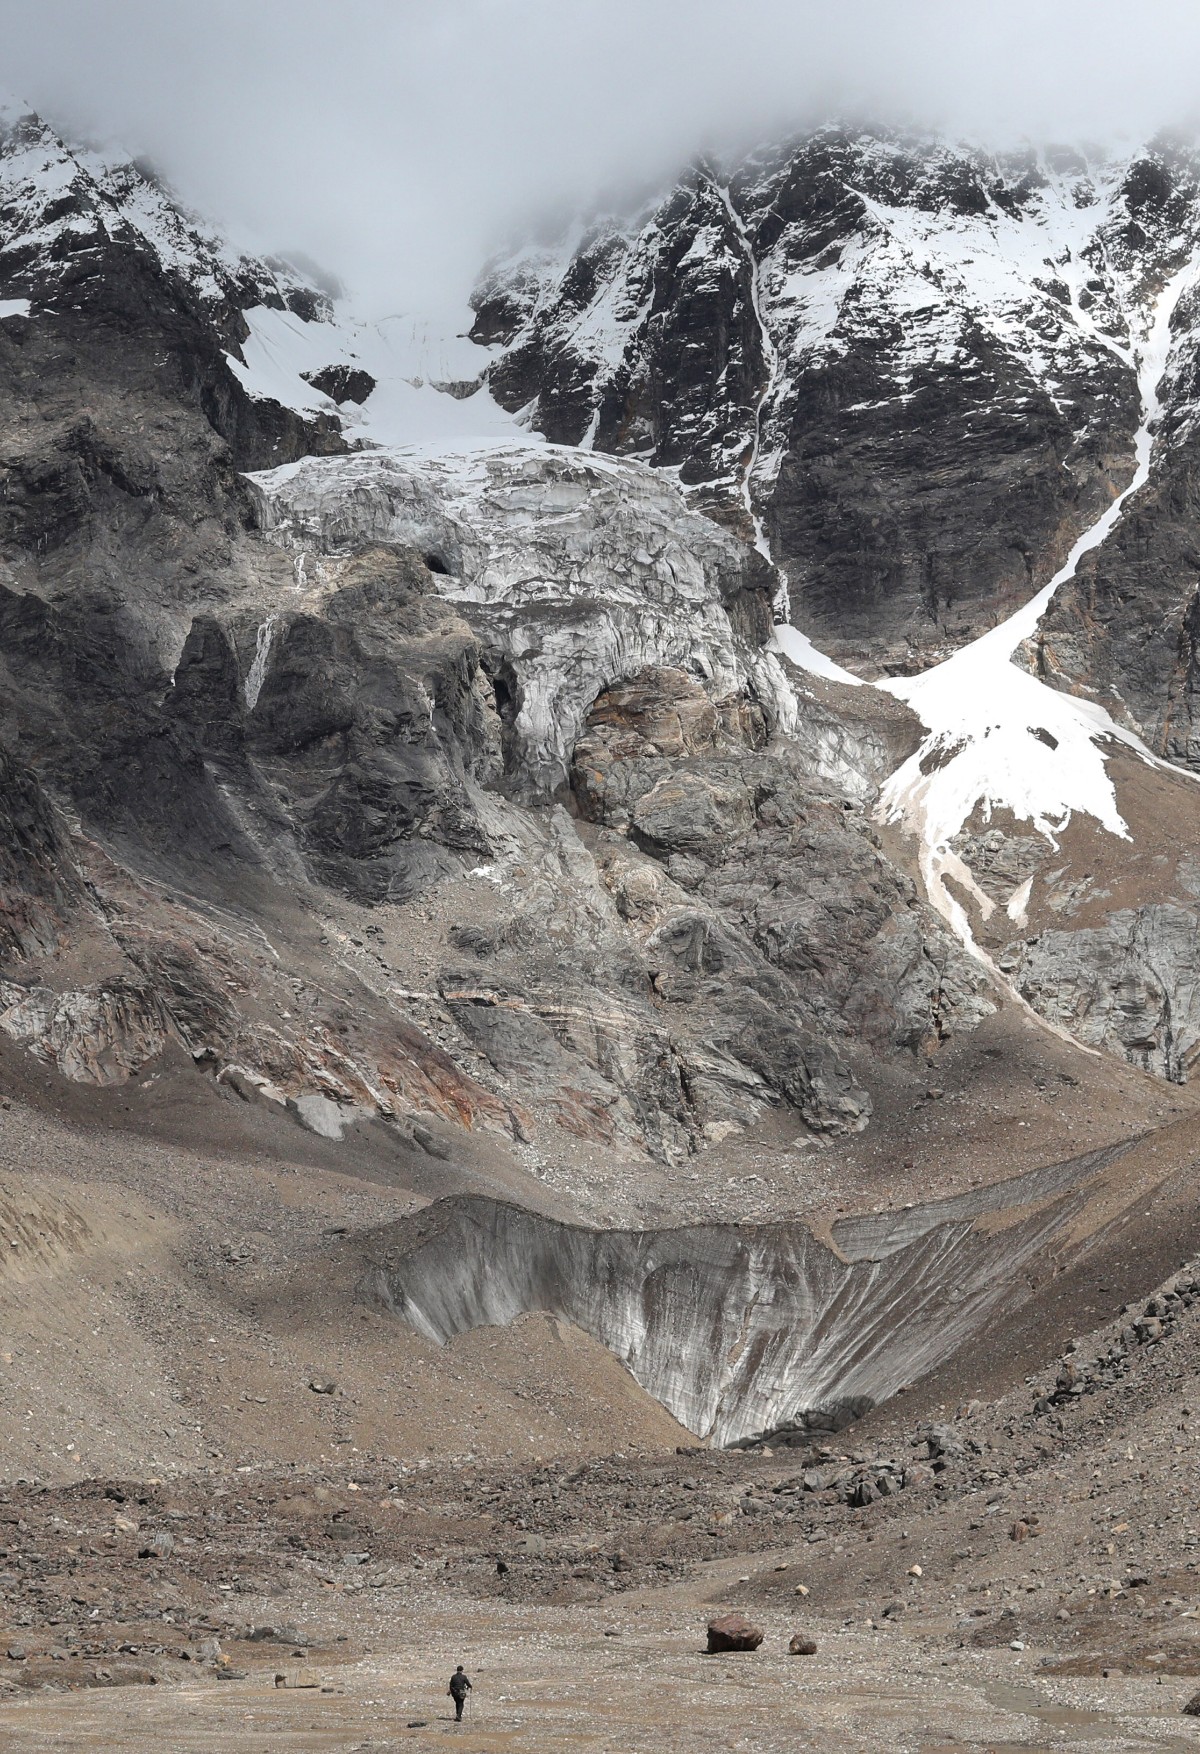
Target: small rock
(802, 1646)
(160, 1546)
(275, 1635)
(915, 1571)
(1017, 1644)
(322, 1386)
(1192, 1708)
(16, 1653)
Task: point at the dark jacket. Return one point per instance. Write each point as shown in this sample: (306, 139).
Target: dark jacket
(459, 1685)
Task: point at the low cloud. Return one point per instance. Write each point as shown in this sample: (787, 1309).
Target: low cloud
(396, 141)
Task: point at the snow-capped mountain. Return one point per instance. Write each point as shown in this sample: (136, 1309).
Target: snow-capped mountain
(308, 622)
(70, 214)
(906, 365)
(63, 206)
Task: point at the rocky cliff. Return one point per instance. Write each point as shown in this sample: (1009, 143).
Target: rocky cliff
(904, 364)
(350, 780)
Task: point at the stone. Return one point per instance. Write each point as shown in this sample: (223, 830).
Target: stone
(733, 1632)
(341, 383)
(271, 1634)
(1192, 1707)
(800, 1645)
(160, 1545)
(317, 1114)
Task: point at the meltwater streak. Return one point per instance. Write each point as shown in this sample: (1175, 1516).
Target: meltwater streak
(262, 657)
(997, 738)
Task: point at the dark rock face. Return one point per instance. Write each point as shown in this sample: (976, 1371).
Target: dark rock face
(39, 885)
(1126, 629)
(898, 356)
(366, 723)
(341, 383)
(689, 398)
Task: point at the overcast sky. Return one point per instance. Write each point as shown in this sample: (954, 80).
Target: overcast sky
(395, 139)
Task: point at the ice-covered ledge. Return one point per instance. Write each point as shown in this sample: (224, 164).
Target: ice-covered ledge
(577, 570)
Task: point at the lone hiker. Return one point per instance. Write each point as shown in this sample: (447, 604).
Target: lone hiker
(458, 1689)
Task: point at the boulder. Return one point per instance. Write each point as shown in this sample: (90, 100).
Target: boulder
(733, 1632)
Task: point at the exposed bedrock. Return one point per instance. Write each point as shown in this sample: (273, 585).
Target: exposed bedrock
(777, 865)
(1099, 933)
(741, 1330)
(357, 725)
(1130, 986)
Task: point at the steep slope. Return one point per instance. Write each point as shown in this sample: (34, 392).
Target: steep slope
(905, 366)
(463, 782)
(307, 777)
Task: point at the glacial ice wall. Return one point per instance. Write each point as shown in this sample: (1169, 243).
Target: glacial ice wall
(739, 1330)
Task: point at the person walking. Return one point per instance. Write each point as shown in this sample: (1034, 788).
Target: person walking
(458, 1689)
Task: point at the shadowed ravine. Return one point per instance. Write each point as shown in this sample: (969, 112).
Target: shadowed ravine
(743, 1330)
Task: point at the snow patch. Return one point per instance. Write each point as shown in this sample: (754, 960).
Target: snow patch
(799, 648)
(408, 359)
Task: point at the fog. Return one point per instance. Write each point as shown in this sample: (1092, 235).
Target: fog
(397, 141)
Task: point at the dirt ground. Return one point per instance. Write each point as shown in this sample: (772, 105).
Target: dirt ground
(204, 1435)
